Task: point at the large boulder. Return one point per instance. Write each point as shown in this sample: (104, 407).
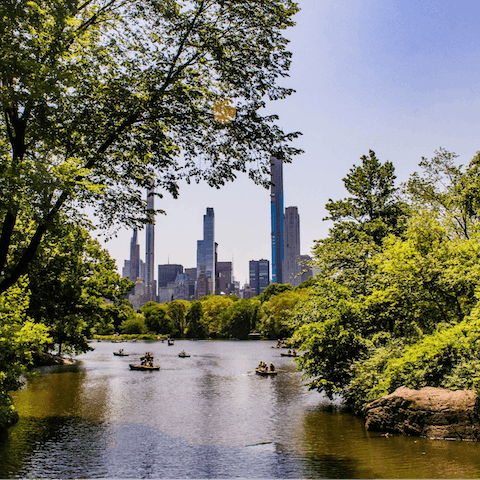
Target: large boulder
(428, 412)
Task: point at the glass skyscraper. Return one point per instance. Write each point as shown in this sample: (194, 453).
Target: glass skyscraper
(206, 251)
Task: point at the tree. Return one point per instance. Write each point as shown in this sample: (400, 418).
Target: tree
(20, 337)
(274, 289)
(156, 318)
(449, 192)
(70, 280)
(276, 320)
(195, 326)
(361, 223)
(177, 311)
(104, 98)
(212, 307)
(374, 207)
(241, 318)
(134, 324)
(113, 315)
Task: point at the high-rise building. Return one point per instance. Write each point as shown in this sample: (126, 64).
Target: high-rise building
(224, 278)
(192, 280)
(259, 275)
(276, 203)
(134, 257)
(150, 284)
(168, 273)
(126, 269)
(291, 240)
(206, 252)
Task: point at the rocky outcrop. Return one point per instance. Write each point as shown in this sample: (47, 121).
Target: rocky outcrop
(428, 412)
(48, 359)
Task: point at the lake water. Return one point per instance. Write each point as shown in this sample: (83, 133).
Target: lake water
(207, 416)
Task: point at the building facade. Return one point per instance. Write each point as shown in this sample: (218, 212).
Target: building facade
(150, 284)
(276, 205)
(259, 272)
(224, 284)
(206, 254)
(291, 238)
(168, 273)
(134, 257)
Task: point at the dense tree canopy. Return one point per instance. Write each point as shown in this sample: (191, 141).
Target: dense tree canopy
(103, 98)
(415, 321)
(70, 278)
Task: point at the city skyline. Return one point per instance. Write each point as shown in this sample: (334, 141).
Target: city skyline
(403, 88)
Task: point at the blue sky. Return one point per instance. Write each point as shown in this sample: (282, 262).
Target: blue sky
(399, 77)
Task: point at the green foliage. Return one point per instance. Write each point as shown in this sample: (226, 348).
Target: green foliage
(20, 337)
(134, 324)
(69, 280)
(213, 307)
(156, 318)
(276, 313)
(274, 289)
(113, 315)
(396, 305)
(102, 99)
(361, 223)
(195, 327)
(177, 311)
(240, 319)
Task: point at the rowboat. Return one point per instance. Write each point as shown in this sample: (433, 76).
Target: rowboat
(183, 354)
(120, 354)
(144, 367)
(288, 354)
(265, 373)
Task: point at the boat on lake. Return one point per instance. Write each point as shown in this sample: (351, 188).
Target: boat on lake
(289, 354)
(147, 363)
(121, 353)
(265, 373)
(183, 354)
(170, 342)
(144, 367)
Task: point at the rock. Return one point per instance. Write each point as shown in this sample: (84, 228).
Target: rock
(48, 359)
(428, 412)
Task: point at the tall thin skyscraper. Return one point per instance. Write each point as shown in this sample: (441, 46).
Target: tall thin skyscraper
(134, 257)
(150, 286)
(276, 199)
(291, 267)
(206, 251)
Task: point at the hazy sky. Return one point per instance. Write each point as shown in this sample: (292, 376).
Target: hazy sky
(400, 77)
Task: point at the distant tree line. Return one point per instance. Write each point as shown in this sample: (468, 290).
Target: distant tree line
(217, 316)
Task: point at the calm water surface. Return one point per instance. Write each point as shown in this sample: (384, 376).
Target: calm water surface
(207, 416)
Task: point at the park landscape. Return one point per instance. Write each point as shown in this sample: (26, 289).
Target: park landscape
(103, 99)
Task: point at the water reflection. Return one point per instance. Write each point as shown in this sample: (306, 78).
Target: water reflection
(204, 416)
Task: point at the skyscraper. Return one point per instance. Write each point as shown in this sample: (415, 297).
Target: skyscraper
(291, 239)
(150, 284)
(224, 278)
(206, 252)
(276, 202)
(259, 275)
(134, 257)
